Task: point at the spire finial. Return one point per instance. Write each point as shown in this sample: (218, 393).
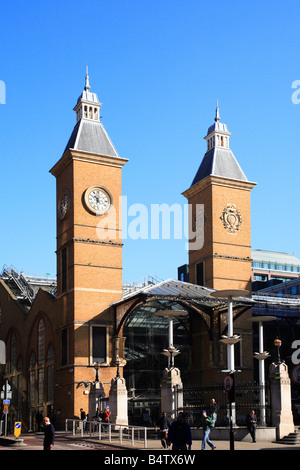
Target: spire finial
(87, 78)
(217, 118)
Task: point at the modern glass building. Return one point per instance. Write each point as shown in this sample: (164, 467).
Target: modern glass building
(267, 265)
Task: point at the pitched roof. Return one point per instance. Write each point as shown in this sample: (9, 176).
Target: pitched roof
(219, 162)
(90, 136)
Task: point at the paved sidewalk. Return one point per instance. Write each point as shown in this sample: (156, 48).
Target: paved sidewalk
(155, 445)
(225, 445)
(34, 442)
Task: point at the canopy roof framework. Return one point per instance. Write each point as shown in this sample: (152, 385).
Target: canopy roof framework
(180, 295)
(196, 298)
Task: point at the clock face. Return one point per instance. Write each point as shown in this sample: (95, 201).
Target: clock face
(98, 200)
(64, 205)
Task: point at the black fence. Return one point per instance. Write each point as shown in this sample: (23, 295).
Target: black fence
(197, 398)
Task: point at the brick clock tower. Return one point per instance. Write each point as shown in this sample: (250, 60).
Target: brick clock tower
(89, 255)
(220, 192)
(220, 254)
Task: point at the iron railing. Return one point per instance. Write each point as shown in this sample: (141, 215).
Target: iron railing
(137, 436)
(247, 396)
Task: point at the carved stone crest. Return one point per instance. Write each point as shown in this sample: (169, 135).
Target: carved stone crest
(231, 218)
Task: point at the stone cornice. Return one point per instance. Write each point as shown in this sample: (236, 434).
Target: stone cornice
(87, 157)
(217, 181)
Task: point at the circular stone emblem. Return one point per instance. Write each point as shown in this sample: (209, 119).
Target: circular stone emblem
(231, 218)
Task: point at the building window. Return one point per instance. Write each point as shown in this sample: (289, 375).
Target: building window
(20, 386)
(98, 344)
(50, 389)
(293, 290)
(19, 396)
(50, 374)
(32, 379)
(200, 281)
(41, 342)
(64, 347)
(64, 270)
(41, 380)
(13, 353)
(260, 277)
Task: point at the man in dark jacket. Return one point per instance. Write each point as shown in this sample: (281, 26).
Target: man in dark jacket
(180, 434)
(251, 420)
(83, 418)
(164, 425)
(213, 409)
(49, 433)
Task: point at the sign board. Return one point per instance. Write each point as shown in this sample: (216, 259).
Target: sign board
(6, 402)
(228, 383)
(17, 429)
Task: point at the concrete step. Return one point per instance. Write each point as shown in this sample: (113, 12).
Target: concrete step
(293, 438)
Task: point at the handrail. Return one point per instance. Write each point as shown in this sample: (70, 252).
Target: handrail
(108, 431)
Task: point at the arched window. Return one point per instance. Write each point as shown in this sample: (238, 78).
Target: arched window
(41, 342)
(50, 374)
(32, 363)
(50, 353)
(13, 353)
(20, 385)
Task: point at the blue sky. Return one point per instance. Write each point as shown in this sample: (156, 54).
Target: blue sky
(158, 68)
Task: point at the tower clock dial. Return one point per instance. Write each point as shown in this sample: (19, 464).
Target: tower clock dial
(98, 200)
(64, 204)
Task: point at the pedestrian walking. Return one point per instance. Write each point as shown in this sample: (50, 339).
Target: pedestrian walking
(206, 423)
(106, 415)
(99, 414)
(83, 418)
(164, 425)
(180, 434)
(49, 434)
(251, 421)
(213, 410)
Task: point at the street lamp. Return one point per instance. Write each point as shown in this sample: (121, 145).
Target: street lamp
(96, 367)
(277, 344)
(117, 363)
(262, 355)
(230, 340)
(171, 352)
